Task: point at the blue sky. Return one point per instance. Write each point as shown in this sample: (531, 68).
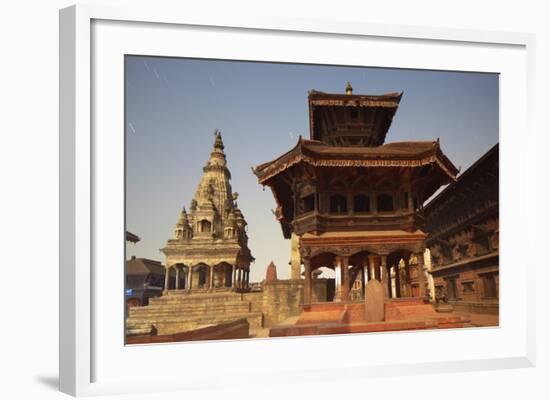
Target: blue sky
(173, 106)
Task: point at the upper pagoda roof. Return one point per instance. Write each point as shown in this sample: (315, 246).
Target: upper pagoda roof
(349, 119)
(396, 154)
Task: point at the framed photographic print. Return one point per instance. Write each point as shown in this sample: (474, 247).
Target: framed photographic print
(241, 191)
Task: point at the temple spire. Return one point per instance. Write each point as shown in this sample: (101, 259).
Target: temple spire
(217, 157)
(218, 143)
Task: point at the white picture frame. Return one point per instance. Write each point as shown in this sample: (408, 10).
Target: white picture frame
(82, 346)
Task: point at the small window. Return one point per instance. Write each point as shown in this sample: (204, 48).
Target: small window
(354, 113)
(452, 291)
(489, 286)
(308, 203)
(405, 200)
(205, 226)
(385, 203)
(468, 286)
(361, 203)
(338, 204)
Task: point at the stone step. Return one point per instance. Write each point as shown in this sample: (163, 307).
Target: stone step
(172, 318)
(194, 315)
(190, 309)
(193, 299)
(181, 324)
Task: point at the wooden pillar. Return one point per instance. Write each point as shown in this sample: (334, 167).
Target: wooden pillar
(344, 263)
(337, 280)
(307, 286)
(365, 279)
(239, 273)
(384, 274)
(408, 276)
(372, 269)
(177, 277)
(166, 279)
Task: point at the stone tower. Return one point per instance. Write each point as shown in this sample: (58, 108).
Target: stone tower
(209, 249)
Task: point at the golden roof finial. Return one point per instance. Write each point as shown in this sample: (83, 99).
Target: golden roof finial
(349, 89)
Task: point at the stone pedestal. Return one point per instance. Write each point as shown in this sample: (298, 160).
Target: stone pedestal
(374, 301)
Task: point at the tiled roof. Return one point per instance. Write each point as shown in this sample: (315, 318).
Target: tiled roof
(143, 266)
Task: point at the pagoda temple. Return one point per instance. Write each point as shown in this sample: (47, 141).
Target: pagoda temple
(354, 201)
(209, 248)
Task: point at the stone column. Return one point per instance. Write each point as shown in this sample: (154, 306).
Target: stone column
(393, 282)
(384, 275)
(234, 276)
(422, 288)
(397, 281)
(344, 263)
(337, 280)
(166, 279)
(177, 277)
(295, 259)
(211, 278)
(307, 286)
(189, 277)
(430, 284)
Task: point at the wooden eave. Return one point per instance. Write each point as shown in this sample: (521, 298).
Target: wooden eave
(397, 154)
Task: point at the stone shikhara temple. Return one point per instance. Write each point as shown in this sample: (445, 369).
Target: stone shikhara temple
(209, 249)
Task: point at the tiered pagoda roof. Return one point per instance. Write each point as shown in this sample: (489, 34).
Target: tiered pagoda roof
(351, 120)
(346, 146)
(396, 154)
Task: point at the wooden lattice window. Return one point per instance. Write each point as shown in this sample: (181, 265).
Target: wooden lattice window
(384, 203)
(361, 203)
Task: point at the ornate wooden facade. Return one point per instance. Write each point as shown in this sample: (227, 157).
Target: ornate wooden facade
(355, 202)
(463, 226)
(210, 244)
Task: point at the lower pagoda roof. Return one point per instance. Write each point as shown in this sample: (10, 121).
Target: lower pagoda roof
(396, 154)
